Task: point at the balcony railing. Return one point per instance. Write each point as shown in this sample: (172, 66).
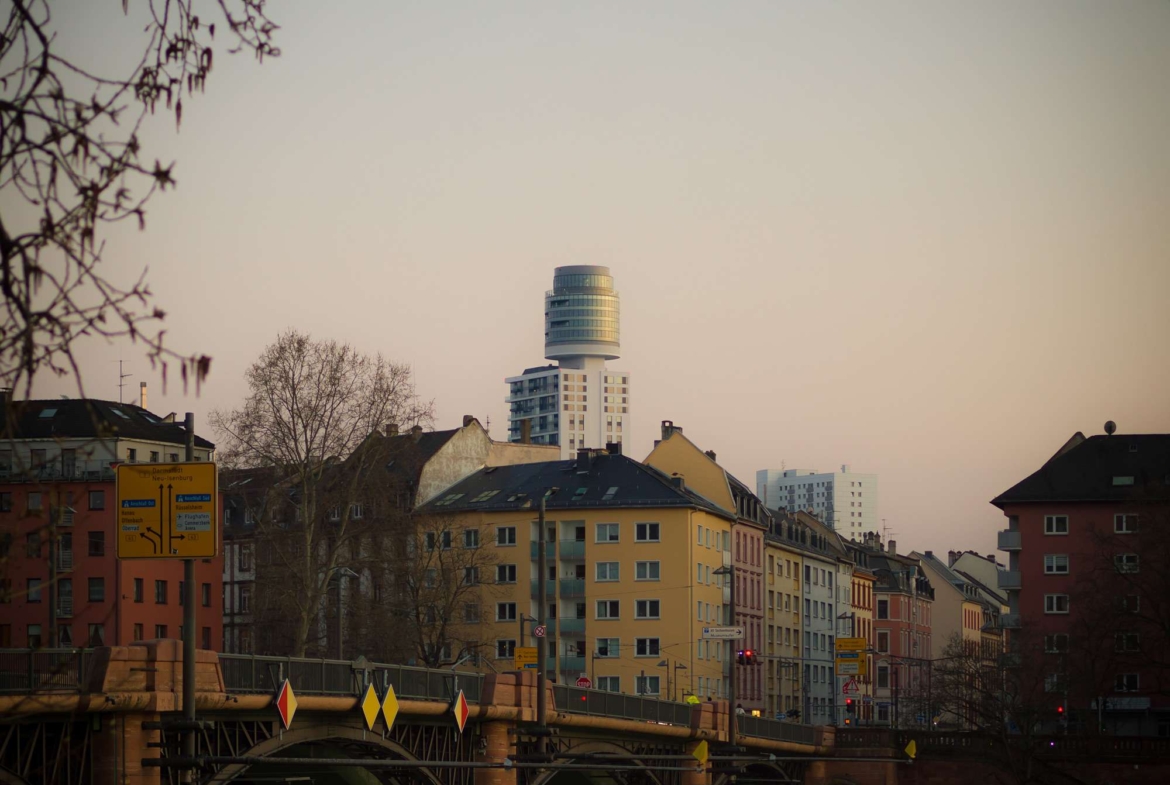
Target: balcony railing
(65, 560)
(572, 587)
(574, 700)
(572, 549)
(1009, 540)
(573, 663)
(78, 471)
(549, 588)
(572, 625)
(43, 670)
(549, 550)
(1010, 621)
(64, 607)
(1010, 579)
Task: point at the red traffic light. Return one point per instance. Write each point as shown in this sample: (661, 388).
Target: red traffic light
(1060, 709)
(849, 701)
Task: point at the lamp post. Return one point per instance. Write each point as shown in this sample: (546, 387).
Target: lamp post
(541, 665)
(678, 666)
(731, 718)
(343, 572)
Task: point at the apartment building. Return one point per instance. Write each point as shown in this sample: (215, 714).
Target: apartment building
(632, 557)
(783, 660)
(61, 583)
(861, 625)
(846, 501)
(677, 456)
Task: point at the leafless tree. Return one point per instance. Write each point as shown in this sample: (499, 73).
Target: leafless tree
(313, 414)
(70, 149)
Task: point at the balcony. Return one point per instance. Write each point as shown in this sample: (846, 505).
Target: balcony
(64, 607)
(1010, 621)
(572, 587)
(549, 588)
(1010, 579)
(1009, 540)
(572, 549)
(572, 626)
(573, 663)
(65, 561)
(549, 550)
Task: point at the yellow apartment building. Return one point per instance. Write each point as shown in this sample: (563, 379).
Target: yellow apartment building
(631, 555)
(784, 565)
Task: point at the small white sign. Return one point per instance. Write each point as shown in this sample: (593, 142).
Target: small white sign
(722, 633)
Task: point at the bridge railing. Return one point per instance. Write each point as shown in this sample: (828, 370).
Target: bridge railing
(246, 673)
(764, 728)
(43, 670)
(575, 700)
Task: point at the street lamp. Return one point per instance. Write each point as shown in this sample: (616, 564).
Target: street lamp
(727, 569)
(344, 572)
(669, 670)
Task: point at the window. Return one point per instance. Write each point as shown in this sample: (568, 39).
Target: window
(883, 641)
(1126, 682)
(645, 647)
(471, 538)
(1127, 642)
(97, 500)
(1126, 562)
(471, 613)
(609, 683)
(160, 593)
(245, 599)
(505, 611)
(506, 535)
(97, 589)
(32, 545)
(883, 609)
(206, 638)
(505, 573)
(138, 590)
(646, 609)
(245, 557)
(138, 632)
(34, 636)
(1056, 603)
(154, 456)
(505, 649)
(1054, 682)
(607, 647)
(1056, 643)
(883, 677)
(607, 532)
(471, 576)
(1131, 603)
(646, 532)
(1124, 523)
(205, 595)
(607, 571)
(1056, 524)
(646, 571)
(97, 543)
(35, 503)
(1055, 564)
(608, 609)
(648, 685)
(131, 453)
(6, 501)
(174, 457)
(33, 590)
(356, 511)
(160, 630)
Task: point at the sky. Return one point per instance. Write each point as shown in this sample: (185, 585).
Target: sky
(928, 240)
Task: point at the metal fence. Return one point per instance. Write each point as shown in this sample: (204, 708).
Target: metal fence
(44, 670)
(575, 700)
(245, 673)
(763, 728)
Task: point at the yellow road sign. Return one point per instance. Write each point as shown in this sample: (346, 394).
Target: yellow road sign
(370, 706)
(852, 667)
(389, 706)
(851, 644)
(167, 510)
(912, 749)
(524, 657)
(700, 752)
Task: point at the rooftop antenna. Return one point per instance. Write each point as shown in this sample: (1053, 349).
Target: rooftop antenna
(121, 383)
(886, 533)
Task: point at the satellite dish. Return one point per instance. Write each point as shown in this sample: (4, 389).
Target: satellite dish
(1110, 428)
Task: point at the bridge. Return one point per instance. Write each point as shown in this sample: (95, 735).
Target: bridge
(108, 716)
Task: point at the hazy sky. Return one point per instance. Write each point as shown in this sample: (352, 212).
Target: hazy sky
(929, 240)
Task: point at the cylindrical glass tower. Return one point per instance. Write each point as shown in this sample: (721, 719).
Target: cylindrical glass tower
(581, 314)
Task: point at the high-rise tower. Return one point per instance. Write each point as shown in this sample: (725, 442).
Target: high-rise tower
(578, 402)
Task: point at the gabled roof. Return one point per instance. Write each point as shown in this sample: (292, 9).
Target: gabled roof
(1121, 467)
(90, 418)
(593, 480)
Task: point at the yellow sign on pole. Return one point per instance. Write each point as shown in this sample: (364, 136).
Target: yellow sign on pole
(700, 752)
(851, 644)
(167, 510)
(852, 666)
(524, 657)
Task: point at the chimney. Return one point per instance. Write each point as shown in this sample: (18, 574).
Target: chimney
(710, 454)
(416, 432)
(892, 547)
(391, 429)
(678, 481)
(991, 558)
(613, 448)
(526, 431)
(952, 557)
(668, 427)
(142, 394)
(584, 460)
(468, 419)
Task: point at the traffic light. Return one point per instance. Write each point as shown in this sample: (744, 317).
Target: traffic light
(745, 657)
(850, 706)
(1060, 712)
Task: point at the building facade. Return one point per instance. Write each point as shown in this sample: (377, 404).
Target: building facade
(846, 501)
(577, 402)
(61, 583)
(784, 674)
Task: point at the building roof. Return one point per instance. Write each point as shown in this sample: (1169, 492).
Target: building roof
(594, 479)
(89, 418)
(1127, 467)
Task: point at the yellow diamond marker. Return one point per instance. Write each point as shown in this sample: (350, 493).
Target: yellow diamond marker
(912, 750)
(370, 707)
(389, 706)
(700, 752)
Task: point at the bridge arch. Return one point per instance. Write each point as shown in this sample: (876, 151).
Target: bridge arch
(646, 773)
(334, 734)
(11, 778)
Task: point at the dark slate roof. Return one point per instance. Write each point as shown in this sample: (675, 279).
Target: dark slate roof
(605, 480)
(1086, 470)
(77, 418)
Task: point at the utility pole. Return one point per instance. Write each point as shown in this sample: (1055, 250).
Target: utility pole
(729, 570)
(54, 521)
(189, 630)
(541, 665)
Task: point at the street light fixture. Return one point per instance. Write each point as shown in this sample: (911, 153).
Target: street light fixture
(727, 569)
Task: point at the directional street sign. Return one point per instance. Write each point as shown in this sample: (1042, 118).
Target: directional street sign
(851, 644)
(389, 706)
(370, 706)
(849, 664)
(524, 657)
(722, 633)
(539, 630)
(167, 510)
(461, 710)
(286, 704)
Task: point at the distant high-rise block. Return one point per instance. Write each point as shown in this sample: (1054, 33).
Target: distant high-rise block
(578, 402)
(846, 501)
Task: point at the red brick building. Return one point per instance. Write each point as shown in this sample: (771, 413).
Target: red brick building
(61, 583)
(1087, 541)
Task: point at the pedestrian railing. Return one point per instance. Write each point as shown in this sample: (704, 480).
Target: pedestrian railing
(576, 700)
(763, 728)
(43, 670)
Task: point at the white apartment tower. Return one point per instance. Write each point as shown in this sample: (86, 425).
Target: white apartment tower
(578, 402)
(843, 500)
